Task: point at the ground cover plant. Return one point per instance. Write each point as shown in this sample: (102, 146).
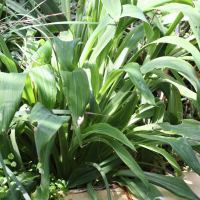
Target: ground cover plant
(103, 99)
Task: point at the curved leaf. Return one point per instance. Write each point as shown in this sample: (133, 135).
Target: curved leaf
(48, 125)
(135, 75)
(175, 185)
(12, 86)
(169, 158)
(182, 43)
(129, 44)
(77, 93)
(91, 192)
(108, 130)
(189, 128)
(182, 148)
(65, 51)
(113, 7)
(181, 66)
(9, 63)
(93, 38)
(148, 4)
(194, 16)
(44, 79)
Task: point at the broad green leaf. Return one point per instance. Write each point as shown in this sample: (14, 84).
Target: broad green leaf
(174, 103)
(83, 174)
(93, 38)
(49, 7)
(94, 79)
(194, 16)
(175, 185)
(129, 44)
(121, 119)
(133, 11)
(135, 75)
(102, 42)
(188, 128)
(12, 85)
(103, 176)
(113, 7)
(108, 130)
(77, 93)
(145, 5)
(44, 51)
(91, 192)
(28, 93)
(139, 189)
(169, 158)
(148, 31)
(182, 89)
(16, 149)
(182, 147)
(136, 12)
(9, 63)
(158, 114)
(182, 43)
(156, 21)
(65, 51)
(48, 125)
(113, 76)
(44, 79)
(124, 155)
(181, 66)
(79, 15)
(5, 48)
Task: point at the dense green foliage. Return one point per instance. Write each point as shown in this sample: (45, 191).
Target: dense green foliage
(90, 102)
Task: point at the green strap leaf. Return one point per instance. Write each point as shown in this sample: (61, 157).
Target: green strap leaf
(108, 130)
(136, 12)
(126, 158)
(189, 128)
(77, 93)
(91, 192)
(174, 103)
(113, 7)
(138, 188)
(121, 119)
(182, 148)
(44, 79)
(48, 125)
(103, 176)
(194, 16)
(148, 4)
(88, 46)
(65, 51)
(11, 92)
(9, 63)
(49, 7)
(182, 43)
(175, 185)
(136, 77)
(129, 44)
(169, 158)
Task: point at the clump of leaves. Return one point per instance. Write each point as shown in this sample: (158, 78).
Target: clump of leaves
(88, 98)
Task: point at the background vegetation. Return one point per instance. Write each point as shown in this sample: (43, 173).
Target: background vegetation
(98, 92)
